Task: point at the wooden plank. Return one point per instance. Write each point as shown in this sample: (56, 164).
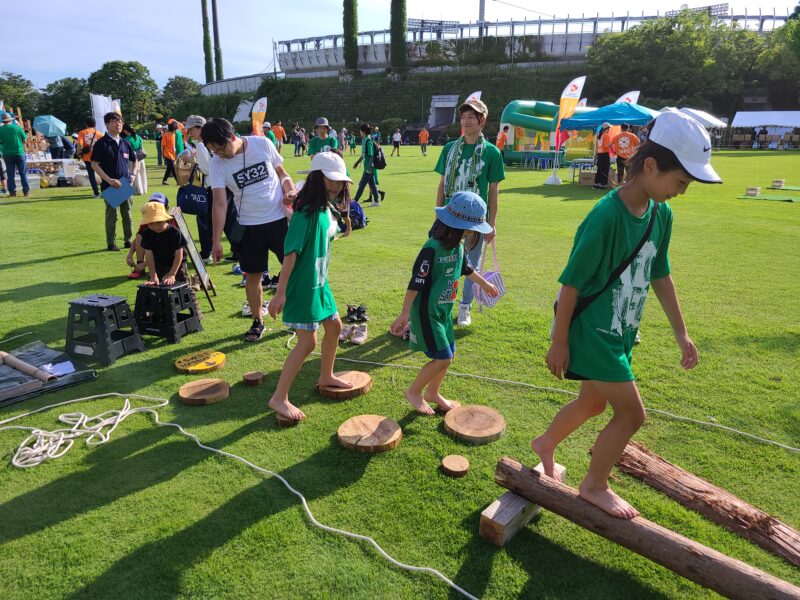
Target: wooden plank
(698, 563)
(510, 513)
(714, 503)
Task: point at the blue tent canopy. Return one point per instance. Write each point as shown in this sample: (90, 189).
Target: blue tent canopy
(616, 114)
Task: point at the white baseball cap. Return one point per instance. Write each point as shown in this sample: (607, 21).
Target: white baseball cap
(690, 143)
(331, 164)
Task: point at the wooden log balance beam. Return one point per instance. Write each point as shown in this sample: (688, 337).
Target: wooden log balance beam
(698, 563)
(714, 503)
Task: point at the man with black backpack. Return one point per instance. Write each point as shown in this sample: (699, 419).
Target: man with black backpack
(372, 156)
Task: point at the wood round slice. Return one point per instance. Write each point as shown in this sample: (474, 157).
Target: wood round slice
(455, 465)
(454, 403)
(362, 383)
(475, 423)
(253, 378)
(200, 362)
(204, 391)
(370, 433)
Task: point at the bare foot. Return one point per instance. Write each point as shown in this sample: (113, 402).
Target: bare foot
(286, 409)
(545, 452)
(607, 500)
(333, 382)
(444, 404)
(418, 402)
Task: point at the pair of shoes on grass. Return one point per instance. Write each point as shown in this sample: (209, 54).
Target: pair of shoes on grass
(355, 334)
(356, 314)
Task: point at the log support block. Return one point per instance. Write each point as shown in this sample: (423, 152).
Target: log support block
(509, 514)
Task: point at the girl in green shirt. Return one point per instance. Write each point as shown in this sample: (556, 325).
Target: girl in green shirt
(433, 288)
(303, 293)
(601, 303)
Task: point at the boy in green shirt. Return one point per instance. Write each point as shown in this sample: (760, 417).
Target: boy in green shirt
(324, 141)
(621, 249)
(471, 163)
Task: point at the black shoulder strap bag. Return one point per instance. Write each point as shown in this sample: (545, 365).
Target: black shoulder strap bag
(583, 303)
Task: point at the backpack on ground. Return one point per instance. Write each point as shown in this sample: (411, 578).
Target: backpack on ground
(358, 220)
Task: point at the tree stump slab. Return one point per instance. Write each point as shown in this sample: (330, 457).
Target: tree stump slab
(253, 378)
(455, 465)
(370, 433)
(362, 383)
(475, 423)
(204, 391)
(204, 361)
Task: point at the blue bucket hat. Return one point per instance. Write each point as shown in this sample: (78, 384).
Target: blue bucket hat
(466, 210)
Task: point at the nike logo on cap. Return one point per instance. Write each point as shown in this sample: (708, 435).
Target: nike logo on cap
(706, 149)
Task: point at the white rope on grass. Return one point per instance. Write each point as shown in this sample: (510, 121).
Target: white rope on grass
(41, 446)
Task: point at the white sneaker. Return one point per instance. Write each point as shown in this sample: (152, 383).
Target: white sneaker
(464, 317)
(246, 312)
(374, 204)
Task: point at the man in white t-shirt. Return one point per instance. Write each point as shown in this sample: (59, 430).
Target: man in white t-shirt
(397, 138)
(251, 168)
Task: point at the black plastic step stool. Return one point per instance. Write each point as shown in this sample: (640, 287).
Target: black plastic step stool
(166, 311)
(102, 328)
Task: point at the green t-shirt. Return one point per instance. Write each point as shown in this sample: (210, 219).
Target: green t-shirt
(136, 142)
(11, 138)
(435, 278)
(317, 144)
(489, 169)
(179, 145)
(601, 338)
(308, 295)
(271, 137)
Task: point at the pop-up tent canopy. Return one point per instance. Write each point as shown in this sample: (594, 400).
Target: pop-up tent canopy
(767, 118)
(616, 114)
(702, 117)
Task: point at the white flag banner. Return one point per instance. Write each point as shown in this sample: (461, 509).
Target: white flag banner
(630, 97)
(100, 106)
(2, 106)
(582, 102)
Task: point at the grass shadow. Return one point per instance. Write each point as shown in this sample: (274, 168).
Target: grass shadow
(156, 569)
(58, 288)
(573, 192)
(48, 260)
(551, 568)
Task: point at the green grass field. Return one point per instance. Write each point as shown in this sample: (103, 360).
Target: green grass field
(150, 515)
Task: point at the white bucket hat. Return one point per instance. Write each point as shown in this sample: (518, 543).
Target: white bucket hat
(331, 164)
(689, 142)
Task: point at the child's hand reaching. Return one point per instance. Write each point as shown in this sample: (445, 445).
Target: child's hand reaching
(129, 260)
(169, 280)
(399, 326)
(558, 358)
(689, 356)
(276, 304)
(153, 280)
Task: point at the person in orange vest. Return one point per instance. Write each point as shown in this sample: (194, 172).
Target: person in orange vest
(502, 141)
(86, 139)
(424, 138)
(602, 156)
(168, 151)
(623, 145)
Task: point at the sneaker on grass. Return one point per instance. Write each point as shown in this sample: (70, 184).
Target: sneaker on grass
(247, 312)
(464, 316)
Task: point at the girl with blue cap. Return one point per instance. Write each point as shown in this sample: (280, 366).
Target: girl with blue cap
(432, 291)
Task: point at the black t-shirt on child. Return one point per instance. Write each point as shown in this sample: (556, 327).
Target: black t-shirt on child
(164, 245)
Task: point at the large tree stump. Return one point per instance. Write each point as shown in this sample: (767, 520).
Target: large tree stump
(698, 563)
(712, 502)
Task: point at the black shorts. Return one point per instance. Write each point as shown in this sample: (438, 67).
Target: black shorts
(396, 144)
(258, 240)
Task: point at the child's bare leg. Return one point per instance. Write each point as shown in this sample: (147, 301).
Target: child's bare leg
(432, 393)
(306, 342)
(589, 403)
(628, 418)
(424, 377)
(330, 343)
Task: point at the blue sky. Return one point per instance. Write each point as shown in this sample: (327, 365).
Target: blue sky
(45, 40)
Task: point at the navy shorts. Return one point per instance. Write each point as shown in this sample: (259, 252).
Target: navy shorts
(444, 354)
